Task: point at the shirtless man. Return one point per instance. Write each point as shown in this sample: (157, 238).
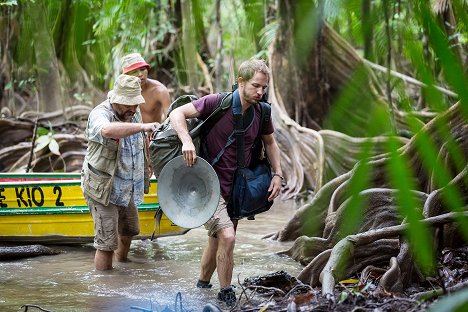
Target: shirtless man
(156, 95)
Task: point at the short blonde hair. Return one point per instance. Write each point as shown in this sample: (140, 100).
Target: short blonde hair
(248, 69)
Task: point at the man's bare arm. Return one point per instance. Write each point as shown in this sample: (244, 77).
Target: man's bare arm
(178, 122)
(117, 130)
(274, 156)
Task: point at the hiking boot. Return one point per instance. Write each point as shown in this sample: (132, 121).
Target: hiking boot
(203, 284)
(228, 296)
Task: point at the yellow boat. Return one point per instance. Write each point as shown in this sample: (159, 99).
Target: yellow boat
(50, 208)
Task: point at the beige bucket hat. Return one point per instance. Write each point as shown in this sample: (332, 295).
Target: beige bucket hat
(132, 61)
(127, 91)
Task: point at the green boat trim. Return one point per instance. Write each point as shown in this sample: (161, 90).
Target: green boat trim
(63, 210)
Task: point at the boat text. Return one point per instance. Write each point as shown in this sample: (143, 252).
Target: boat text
(31, 197)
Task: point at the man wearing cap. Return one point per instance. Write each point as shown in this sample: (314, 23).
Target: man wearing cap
(114, 175)
(156, 95)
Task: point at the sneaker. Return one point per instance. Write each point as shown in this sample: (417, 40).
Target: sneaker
(203, 284)
(228, 296)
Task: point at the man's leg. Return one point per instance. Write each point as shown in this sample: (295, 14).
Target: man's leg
(225, 256)
(208, 261)
(219, 253)
(103, 260)
(105, 233)
(121, 254)
(129, 226)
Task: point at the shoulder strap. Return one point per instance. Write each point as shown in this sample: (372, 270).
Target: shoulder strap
(257, 147)
(266, 115)
(223, 105)
(241, 124)
(238, 129)
(213, 118)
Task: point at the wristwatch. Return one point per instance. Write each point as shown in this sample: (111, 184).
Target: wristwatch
(274, 174)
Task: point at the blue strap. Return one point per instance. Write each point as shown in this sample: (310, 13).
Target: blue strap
(239, 130)
(236, 103)
(231, 139)
(237, 111)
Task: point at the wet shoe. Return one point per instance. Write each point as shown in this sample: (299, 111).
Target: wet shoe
(228, 296)
(203, 284)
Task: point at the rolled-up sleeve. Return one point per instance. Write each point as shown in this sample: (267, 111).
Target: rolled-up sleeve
(97, 119)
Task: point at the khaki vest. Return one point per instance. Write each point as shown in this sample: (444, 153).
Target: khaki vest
(99, 167)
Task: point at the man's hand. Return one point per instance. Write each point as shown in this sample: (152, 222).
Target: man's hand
(189, 153)
(178, 121)
(275, 187)
(150, 126)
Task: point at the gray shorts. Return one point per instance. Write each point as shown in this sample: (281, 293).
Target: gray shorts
(111, 221)
(220, 220)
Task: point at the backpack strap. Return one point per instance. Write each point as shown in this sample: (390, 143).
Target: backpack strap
(265, 109)
(223, 105)
(257, 147)
(266, 116)
(241, 124)
(213, 118)
(181, 100)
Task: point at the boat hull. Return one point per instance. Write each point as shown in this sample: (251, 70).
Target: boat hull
(50, 208)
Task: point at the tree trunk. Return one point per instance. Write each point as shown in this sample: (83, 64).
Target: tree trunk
(367, 30)
(218, 66)
(315, 70)
(329, 257)
(50, 89)
(188, 44)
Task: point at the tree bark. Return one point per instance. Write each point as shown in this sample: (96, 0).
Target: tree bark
(312, 68)
(50, 89)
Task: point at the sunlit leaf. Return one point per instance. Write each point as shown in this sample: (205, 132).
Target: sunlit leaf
(42, 142)
(54, 147)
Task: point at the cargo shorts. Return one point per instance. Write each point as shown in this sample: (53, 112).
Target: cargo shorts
(220, 219)
(111, 221)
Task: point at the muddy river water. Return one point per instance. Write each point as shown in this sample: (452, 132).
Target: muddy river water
(159, 270)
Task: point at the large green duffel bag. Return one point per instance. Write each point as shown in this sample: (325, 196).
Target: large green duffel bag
(165, 144)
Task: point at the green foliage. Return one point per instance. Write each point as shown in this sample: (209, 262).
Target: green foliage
(362, 105)
(452, 69)
(361, 177)
(433, 63)
(237, 37)
(454, 302)
(267, 35)
(402, 178)
(307, 27)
